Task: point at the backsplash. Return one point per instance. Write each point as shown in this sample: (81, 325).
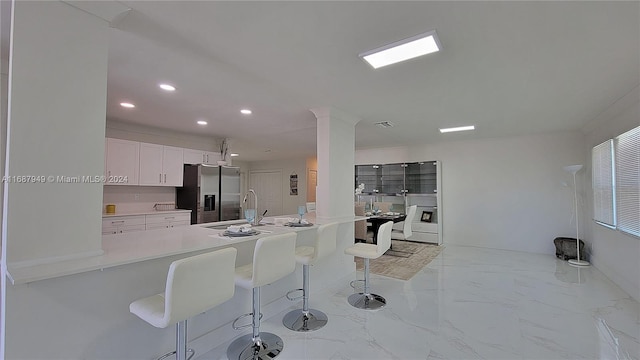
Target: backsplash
(130, 199)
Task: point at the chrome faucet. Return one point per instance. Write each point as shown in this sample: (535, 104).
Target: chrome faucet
(255, 197)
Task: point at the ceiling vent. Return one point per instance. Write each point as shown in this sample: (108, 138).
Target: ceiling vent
(385, 124)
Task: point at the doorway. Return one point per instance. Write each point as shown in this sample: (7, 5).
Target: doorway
(268, 186)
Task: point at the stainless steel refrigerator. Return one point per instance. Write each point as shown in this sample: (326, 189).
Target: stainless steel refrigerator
(212, 193)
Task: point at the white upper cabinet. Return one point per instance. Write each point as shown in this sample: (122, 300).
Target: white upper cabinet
(200, 157)
(193, 156)
(172, 166)
(211, 158)
(122, 162)
(160, 165)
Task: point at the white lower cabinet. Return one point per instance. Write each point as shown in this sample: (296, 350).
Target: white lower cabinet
(165, 221)
(123, 224)
(424, 232)
(129, 223)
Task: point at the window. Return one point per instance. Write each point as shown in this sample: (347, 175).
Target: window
(603, 183)
(616, 182)
(627, 157)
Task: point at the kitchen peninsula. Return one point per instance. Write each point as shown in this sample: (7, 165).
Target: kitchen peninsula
(134, 265)
(126, 248)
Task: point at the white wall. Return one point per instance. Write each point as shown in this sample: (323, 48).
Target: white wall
(614, 253)
(290, 203)
(48, 122)
(503, 193)
(129, 199)
(134, 132)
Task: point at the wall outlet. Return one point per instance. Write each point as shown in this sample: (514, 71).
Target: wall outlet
(136, 196)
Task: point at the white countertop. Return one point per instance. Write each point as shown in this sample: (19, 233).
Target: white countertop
(148, 212)
(127, 248)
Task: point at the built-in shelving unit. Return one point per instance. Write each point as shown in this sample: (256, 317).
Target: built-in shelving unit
(403, 185)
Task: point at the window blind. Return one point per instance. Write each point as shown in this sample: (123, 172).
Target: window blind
(627, 152)
(602, 181)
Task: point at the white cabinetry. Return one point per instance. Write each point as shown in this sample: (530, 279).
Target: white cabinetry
(403, 185)
(141, 222)
(160, 165)
(426, 177)
(200, 157)
(426, 231)
(165, 221)
(122, 224)
(122, 161)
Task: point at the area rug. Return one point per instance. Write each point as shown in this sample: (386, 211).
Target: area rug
(408, 258)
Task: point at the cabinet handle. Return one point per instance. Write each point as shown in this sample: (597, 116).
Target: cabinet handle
(169, 218)
(160, 178)
(165, 178)
(117, 222)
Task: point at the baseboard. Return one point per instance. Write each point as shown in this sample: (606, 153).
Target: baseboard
(627, 286)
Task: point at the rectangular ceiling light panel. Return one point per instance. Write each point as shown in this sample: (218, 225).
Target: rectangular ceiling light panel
(403, 50)
(461, 128)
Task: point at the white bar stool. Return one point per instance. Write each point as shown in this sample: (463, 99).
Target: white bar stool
(365, 300)
(273, 259)
(194, 285)
(324, 244)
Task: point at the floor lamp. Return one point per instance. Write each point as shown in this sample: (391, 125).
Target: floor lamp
(573, 169)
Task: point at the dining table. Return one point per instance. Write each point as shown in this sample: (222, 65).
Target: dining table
(377, 220)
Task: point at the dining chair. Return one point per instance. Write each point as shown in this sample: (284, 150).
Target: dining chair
(402, 230)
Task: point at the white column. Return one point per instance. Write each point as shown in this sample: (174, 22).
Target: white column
(336, 154)
(55, 135)
(57, 90)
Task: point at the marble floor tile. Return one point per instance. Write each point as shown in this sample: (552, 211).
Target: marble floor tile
(474, 303)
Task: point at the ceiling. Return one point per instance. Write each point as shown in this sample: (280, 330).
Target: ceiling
(510, 68)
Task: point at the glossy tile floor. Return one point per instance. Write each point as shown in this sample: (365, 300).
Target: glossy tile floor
(475, 303)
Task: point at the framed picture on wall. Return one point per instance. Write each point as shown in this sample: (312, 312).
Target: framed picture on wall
(426, 216)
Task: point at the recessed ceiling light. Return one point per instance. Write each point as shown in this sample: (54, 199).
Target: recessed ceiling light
(234, 154)
(460, 128)
(167, 87)
(201, 122)
(127, 105)
(246, 111)
(402, 50)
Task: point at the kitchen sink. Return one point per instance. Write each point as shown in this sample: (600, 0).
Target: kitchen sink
(224, 227)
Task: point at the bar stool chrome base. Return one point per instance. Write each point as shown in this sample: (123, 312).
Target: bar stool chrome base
(297, 320)
(367, 301)
(245, 348)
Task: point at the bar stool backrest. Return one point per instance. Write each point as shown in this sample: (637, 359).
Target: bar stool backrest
(199, 283)
(325, 243)
(273, 258)
(384, 238)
